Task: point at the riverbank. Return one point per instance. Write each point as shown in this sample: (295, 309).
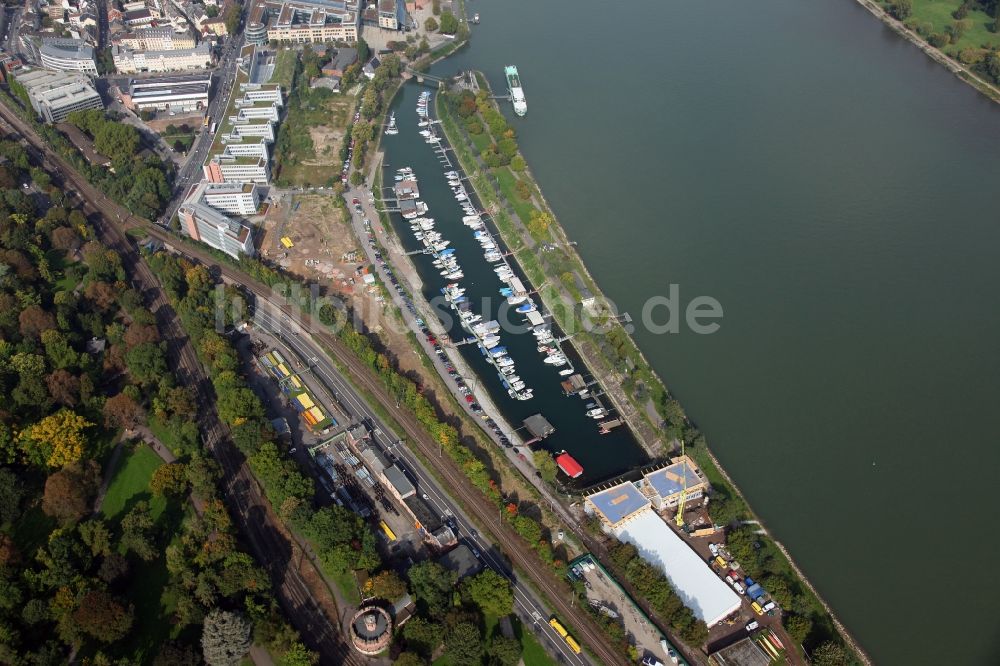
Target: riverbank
(987, 88)
(637, 392)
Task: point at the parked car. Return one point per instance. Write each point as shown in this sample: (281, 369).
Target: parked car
(738, 587)
(753, 625)
(769, 606)
(714, 548)
(651, 661)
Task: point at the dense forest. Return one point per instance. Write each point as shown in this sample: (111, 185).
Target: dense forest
(112, 551)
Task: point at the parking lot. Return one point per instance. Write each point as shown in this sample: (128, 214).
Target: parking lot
(608, 598)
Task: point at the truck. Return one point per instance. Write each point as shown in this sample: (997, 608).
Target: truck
(755, 591)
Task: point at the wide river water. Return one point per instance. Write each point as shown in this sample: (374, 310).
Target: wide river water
(835, 190)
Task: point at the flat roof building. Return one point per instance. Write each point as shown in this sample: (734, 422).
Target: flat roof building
(664, 485)
(538, 426)
(128, 61)
(175, 93)
(709, 597)
(618, 504)
(237, 198)
(205, 224)
(305, 21)
(156, 39)
(741, 653)
(56, 94)
(70, 55)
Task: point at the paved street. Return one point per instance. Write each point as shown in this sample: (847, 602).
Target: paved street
(190, 173)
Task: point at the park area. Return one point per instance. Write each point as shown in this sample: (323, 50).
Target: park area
(962, 29)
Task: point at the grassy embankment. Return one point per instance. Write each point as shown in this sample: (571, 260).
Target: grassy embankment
(515, 200)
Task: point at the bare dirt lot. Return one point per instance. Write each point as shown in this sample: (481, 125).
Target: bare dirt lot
(326, 252)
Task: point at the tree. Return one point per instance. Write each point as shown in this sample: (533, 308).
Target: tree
(410, 659)
(464, 644)
(505, 651)
(95, 534)
(103, 616)
(546, 464)
(225, 638)
(57, 439)
(491, 592)
(11, 493)
(173, 653)
(65, 238)
(432, 584)
(298, 655)
(122, 411)
(64, 387)
(798, 626)
(33, 320)
(386, 585)
(830, 654)
(146, 363)
(430, 25)
(517, 163)
(114, 567)
(137, 528)
(170, 479)
(902, 9)
(422, 636)
(449, 24)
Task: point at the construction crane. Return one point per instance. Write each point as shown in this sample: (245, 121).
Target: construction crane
(679, 519)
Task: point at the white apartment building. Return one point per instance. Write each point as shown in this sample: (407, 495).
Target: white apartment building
(156, 39)
(237, 198)
(204, 223)
(128, 61)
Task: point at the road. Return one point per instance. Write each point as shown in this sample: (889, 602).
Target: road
(251, 512)
(529, 607)
(190, 173)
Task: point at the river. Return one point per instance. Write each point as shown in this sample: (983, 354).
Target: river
(835, 190)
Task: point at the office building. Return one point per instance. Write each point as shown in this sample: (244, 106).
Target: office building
(204, 223)
(69, 55)
(55, 95)
(304, 21)
(174, 93)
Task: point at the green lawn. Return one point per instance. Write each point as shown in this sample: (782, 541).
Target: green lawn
(347, 585)
(131, 484)
(937, 14)
(507, 179)
(284, 68)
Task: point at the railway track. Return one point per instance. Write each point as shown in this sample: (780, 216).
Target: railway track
(242, 489)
